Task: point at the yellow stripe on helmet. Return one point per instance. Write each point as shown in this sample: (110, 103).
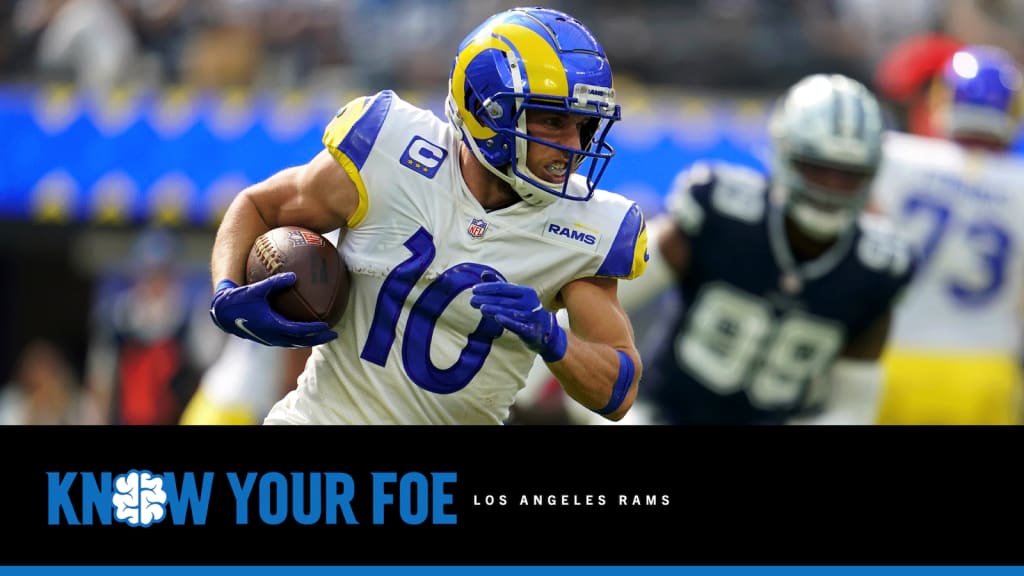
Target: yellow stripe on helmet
(544, 70)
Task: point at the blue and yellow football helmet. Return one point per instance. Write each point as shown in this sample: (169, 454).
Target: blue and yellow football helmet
(984, 90)
(532, 58)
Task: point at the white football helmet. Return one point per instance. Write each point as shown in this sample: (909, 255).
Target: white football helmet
(827, 134)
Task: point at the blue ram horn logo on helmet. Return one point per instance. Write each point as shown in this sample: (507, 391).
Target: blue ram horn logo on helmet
(533, 59)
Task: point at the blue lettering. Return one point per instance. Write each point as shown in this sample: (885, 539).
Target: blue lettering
(241, 495)
(417, 498)
(273, 481)
(341, 499)
(58, 500)
(442, 498)
(274, 497)
(380, 498)
(584, 237)
(298, 492)
(417, 481)
(189, 499)
(572, 234)
(98, 498)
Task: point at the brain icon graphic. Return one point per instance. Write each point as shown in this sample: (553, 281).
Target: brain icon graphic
(139, 498)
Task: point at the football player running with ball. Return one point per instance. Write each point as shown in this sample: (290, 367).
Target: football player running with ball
(787, 284)
(463, 237)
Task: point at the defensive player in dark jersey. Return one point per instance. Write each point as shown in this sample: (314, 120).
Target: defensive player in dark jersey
(786, 284)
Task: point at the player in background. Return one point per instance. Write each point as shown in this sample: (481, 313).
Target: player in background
(956, 340)
(244, 383)
(151, 339)
(462, 239)
(786, 285)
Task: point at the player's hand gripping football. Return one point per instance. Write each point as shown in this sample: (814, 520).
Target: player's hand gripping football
(245, 312)
(518, 309)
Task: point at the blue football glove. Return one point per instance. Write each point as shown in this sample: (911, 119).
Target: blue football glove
(518, 309)
(245, 312)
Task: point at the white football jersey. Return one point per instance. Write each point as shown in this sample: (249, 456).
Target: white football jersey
(411, 349)
(963, 211)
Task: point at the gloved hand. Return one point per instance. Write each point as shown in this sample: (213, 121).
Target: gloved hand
(518, 309)
(245, 312)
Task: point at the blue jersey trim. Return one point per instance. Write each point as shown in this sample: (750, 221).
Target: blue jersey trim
(361, 138)
(619, 261)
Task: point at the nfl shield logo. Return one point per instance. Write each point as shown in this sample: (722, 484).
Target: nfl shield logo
(305, 238)
(477, 228)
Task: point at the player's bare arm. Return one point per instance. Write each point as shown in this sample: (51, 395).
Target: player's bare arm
(319, 195)
(600, 330)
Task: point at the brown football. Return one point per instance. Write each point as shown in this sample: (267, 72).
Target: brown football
(320, 292)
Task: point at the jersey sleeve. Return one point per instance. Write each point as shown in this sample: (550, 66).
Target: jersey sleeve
(351, 135)
(627, 257)
(888, 258)
(689, 197)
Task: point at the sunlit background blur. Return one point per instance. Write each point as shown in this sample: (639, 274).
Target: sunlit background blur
(126, 127)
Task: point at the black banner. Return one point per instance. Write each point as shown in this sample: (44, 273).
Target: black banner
(514, 495)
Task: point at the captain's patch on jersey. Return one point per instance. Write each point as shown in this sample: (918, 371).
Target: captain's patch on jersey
(573, 233)
(423, 157)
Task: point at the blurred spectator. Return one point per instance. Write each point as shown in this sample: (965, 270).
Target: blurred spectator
(227, 48)
(703, 44)
(995, 22)
(870, 28)
(44, 389)
(731, 44)
(904, 79)
(152, 336)
(399, 42)
(162, 27)
(90, 41)
(293, 34)
(22, 23)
